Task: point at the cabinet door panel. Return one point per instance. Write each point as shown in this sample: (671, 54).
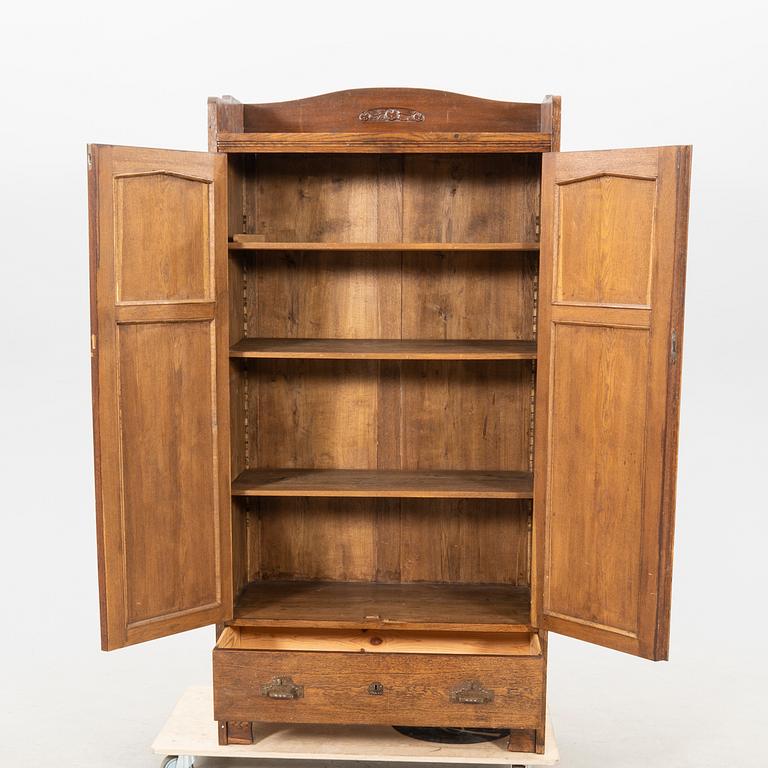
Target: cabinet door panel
(160, 363)
(614, 227)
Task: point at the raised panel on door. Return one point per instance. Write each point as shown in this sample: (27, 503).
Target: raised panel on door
(160, 390)
(614, 228)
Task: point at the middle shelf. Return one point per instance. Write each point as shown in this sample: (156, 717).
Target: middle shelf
(458, 484)
(383, 349)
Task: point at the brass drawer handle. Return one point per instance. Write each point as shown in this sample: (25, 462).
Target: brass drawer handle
(471, 692)
(282, 688)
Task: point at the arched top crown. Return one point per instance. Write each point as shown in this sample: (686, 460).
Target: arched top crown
(374, 109)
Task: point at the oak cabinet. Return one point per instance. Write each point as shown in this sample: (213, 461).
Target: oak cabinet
(386, 386)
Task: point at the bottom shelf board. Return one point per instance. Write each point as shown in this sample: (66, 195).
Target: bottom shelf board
(191, 730)
(351, 605)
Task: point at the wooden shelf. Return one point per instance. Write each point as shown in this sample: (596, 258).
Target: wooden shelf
(384, 483)
(386, 141)
(261, 245)
(355, 605)
(383, 349)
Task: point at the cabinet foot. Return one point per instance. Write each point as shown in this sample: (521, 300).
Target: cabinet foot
(235, 732)
(521, 741)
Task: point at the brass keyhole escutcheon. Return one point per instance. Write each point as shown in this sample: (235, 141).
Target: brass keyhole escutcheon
(375, 689)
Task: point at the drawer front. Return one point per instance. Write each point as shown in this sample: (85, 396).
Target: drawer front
(378, 689)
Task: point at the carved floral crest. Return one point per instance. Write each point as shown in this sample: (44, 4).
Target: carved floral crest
(391, 115)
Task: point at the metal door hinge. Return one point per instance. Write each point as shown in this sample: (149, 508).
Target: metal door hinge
(673, 347)
(90, 159)
(93, 344)
(538, 225)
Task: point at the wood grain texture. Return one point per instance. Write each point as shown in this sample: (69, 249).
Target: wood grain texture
(605, 241)
(225, 113)
(550, 119)
(384, 484)
(161, 400)
(360, 414)
(168, 492)
(465, 542)
(472, 541)
(404, 141)
(350, 295)
(482, 198)
(457, 416)
(349, 605)
(472, 296)
(324, 412)
(381, 641)
(418, 689)
(341, 111)
(360, 295)
(600, 429)
(683, 161)
(163, 256)
(245, 243)
(336, 199)
(603, 408)
(382, 349)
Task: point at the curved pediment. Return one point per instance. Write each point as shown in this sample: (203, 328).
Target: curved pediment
(371, 109)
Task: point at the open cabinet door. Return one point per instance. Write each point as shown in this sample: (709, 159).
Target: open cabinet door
(614, 230)
(158, 229)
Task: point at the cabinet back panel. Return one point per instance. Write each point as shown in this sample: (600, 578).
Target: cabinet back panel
(324, 198)
(462, 295)
(389, 198)
(389, 295)
(359, 414)
(315, 295)
(473, 541)
(470, 198)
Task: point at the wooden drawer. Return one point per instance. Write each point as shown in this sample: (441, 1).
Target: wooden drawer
(379, 678)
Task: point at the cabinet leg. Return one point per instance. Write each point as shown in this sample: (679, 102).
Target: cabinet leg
(521, 741)
(235, 732)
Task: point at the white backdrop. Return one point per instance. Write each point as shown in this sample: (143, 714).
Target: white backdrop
(139, 73)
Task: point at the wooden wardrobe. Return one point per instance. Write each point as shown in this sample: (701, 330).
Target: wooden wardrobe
(386, 387)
